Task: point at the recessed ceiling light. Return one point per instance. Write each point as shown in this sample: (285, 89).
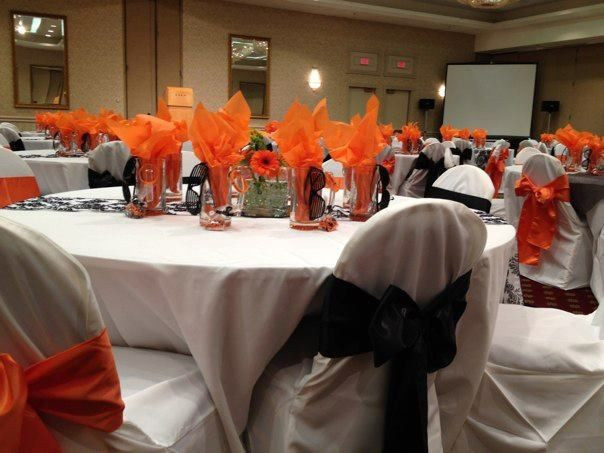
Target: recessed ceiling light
(48, 36)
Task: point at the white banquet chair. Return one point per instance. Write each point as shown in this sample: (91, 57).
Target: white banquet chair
(17, 181)
(47, 305)
(597, 274)
(13, 138)
(542, 147)
(110, 157)
(525, 155)
(431, 167)
(305, 401)
(560, 150)
(567, 263)
(448, 145)
(543, 386)
(334, 167)
(10, 126)
(4, 142)
(465, 184)
(528, 143)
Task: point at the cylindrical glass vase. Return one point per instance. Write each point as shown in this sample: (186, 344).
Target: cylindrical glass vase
(363, 195)
(307, 205)
(216, 199)
(151, 185)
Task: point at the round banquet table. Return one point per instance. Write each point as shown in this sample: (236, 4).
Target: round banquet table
(232, 299)
(36, 143)
(57, 174)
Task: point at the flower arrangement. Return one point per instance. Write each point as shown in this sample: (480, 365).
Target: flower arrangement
(547, 138)
(575, 141)
(464, 133)
(264, 180)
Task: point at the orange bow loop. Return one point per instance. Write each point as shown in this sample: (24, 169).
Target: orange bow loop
(80, 385)
(538, 218)
(495, 168)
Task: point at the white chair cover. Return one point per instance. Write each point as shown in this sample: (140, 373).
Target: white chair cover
(467, 179)
(462, 144)
(10, 126)
(543, 387)
(560, 150)
(47, 305)
(524, 155)
(189, 160)
(568, 262)
(415, 185)
(385, 154)
(449, 163)
(334, 167)
(9, 134)
(528, 143)
(4, 142)
(542, 147)
(111, 157)
(306, 402)
(597, 274)
(17, 181)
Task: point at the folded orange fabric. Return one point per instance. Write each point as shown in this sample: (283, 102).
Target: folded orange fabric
(356, 145)
(574, 140)
(410, 136)
(219, 136)
(495, 168)
(79, 385)
(539, 217)
(464, 133)
(547, 138)
(17, 188)
(297, 138)
(480, 137)
(387, 131)
(448, 132)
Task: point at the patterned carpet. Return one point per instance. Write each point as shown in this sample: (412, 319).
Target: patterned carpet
(579, 301)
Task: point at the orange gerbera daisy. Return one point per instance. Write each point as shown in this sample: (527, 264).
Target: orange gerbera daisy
(265, 163)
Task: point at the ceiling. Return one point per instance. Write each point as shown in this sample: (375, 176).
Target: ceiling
(515, 10)
(38, 32)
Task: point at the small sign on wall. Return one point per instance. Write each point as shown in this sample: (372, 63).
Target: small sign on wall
(364, 63)
(399, 66)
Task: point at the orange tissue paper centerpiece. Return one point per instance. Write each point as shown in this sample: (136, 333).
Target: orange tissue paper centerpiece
(218, 139)
(409, 137)
(448, 132)
(356, 147)
(151, 140)
(480, 138)
(298, 141)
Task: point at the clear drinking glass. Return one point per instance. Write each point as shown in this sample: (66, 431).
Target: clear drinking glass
(307, 204)
(174, 176)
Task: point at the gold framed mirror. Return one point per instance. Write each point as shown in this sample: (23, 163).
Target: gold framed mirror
(249, 71)
(39, 43)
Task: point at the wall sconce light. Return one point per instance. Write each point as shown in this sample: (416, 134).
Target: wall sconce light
(314, 79)
(441, 90)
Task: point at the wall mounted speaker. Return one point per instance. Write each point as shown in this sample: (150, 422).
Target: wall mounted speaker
(426, 104)
(550, 106)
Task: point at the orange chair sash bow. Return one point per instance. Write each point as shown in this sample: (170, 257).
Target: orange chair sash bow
(539, 217)
(495, 168)
(79, 385)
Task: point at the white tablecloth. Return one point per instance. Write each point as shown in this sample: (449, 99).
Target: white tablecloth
(36, 143)
(60, 174)
(233, 298)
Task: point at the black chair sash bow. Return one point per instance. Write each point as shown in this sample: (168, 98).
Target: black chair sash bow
(129, 179)
(416, 341)
(465, 155)
(105, 179)
(197, 178)
(17, 145)
(472, 202)
(435, 169)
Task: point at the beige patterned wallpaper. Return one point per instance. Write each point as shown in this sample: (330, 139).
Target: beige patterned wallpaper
(300, 41)
(96, 52)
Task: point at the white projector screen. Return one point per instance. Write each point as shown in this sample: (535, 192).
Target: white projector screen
(495, 97)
